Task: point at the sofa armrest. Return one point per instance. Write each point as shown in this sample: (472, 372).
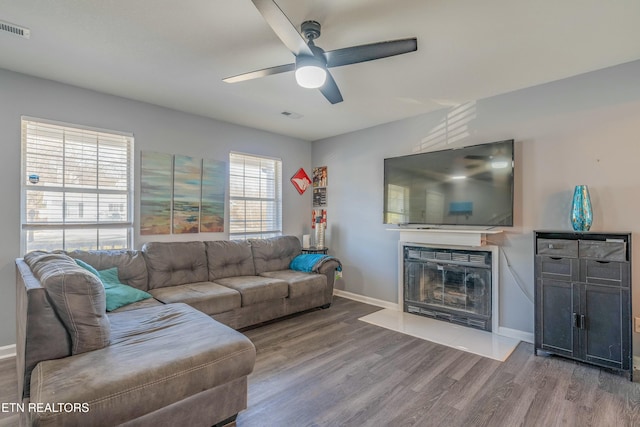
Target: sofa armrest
(328, 267)
(40, 334)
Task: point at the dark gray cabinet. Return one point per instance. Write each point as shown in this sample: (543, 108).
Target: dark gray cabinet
(583, 297)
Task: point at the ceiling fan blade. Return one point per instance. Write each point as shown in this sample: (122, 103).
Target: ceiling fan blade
(369, 52)
(260, 73)
(330, 90)
(283, 28)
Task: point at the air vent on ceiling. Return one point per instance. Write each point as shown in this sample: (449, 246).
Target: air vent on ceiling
(23, 32)
(291, 115)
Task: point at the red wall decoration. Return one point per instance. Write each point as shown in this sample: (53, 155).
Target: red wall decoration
(301, 181)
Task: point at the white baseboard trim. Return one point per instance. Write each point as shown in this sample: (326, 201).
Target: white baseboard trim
(366, 300)
(515, 333)
(7, 351)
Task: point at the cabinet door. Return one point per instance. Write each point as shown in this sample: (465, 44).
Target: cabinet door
(605, 325)
(557, 309)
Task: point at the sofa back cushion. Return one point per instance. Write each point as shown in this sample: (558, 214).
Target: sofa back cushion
(132, 269)
(275, 253)
(40, 334)
(229, 259)
(175, 263)
(77, 297)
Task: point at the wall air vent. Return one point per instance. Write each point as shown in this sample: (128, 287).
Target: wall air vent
(15, 29)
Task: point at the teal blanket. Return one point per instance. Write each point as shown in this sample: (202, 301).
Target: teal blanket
(310, 262)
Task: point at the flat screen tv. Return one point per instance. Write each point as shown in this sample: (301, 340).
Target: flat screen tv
(470, 186)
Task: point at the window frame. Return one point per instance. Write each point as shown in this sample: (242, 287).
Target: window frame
(65, 225)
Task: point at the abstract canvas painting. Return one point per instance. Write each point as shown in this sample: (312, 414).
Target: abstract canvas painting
(155, 193)
(213, 188)
(186, 194)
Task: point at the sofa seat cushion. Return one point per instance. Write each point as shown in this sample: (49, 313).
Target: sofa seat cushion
(255, 289)
(149, 302)
(157, 356)
(208, 297)
(300, 283)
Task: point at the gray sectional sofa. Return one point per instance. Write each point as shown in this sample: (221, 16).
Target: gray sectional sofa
(163, 360)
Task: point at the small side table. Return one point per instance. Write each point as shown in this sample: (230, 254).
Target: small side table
(315, 250)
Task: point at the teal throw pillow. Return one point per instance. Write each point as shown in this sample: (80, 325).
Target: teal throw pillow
(88, 267)
(118, 294)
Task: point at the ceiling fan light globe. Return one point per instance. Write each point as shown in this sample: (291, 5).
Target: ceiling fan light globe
(311, 76)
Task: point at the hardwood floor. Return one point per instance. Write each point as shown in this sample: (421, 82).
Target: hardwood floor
(326, 368)
(8, 390)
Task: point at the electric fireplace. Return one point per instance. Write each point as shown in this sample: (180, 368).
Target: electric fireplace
(453, 285)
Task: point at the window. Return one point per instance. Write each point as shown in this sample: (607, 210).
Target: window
(77, 187)
(397, 204)
(255, 196)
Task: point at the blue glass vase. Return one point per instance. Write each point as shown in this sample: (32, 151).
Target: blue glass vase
(581, 214)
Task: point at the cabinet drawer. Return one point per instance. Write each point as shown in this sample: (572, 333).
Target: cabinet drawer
(557, 247)
(557, 268)
(604, 272)
(607, 251)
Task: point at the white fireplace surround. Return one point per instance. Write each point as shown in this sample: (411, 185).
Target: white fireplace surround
(467, 239)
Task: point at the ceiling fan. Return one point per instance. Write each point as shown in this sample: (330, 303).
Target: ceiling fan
(312, 62)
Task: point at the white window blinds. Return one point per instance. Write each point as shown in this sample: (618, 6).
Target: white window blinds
(77, 187)
(255, 196)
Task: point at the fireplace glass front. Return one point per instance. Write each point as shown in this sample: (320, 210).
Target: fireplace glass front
(448, 284)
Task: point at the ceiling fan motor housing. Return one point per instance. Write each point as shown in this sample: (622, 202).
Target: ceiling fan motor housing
(310, 29)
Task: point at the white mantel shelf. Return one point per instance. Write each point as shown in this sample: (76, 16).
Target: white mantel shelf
(446, 236)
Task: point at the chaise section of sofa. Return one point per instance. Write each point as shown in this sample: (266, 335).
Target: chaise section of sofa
(157, 357)
(158, 365)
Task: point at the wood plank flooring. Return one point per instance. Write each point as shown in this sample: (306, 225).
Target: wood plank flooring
(326, 368)
(8, 390)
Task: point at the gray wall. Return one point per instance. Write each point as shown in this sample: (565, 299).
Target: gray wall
(581, 130)
(154, 128)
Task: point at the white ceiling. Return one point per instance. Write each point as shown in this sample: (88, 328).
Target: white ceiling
(175, 53)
